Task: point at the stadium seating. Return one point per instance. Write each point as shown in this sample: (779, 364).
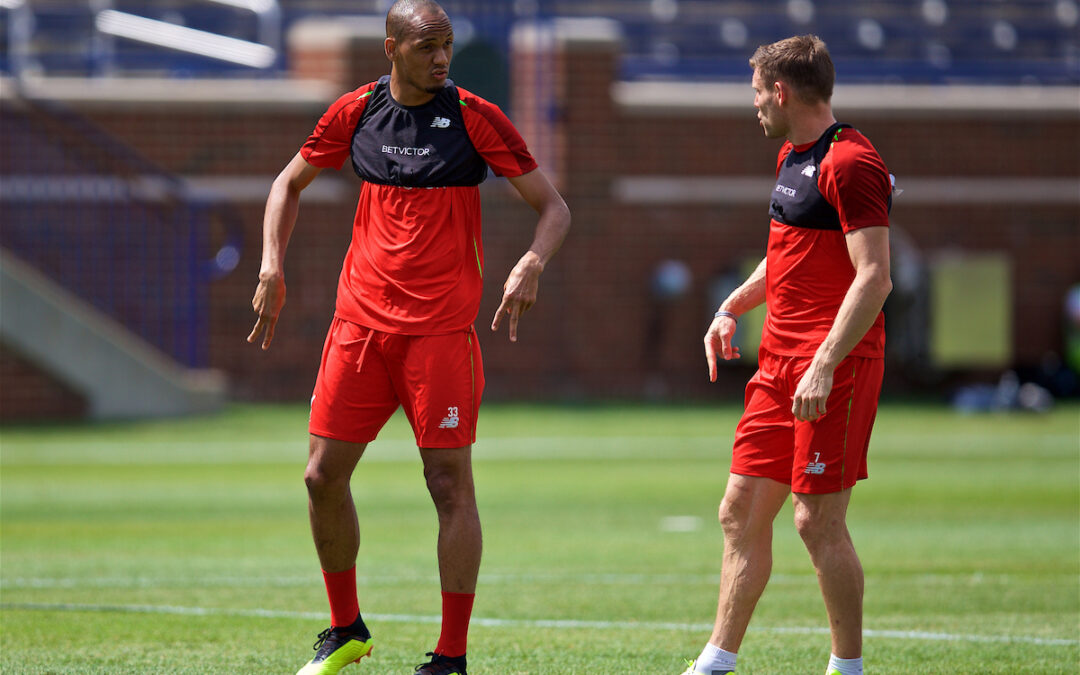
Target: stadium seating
(915, 41)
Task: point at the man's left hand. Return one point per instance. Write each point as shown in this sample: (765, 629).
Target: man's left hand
(519, 292)
(812, 393)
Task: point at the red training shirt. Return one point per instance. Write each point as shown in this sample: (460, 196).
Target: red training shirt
(808, 269)
(415, 262)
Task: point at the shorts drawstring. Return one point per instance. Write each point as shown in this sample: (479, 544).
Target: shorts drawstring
(367, 342)
(363, 350)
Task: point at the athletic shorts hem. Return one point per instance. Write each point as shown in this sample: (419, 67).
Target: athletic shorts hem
(445, 446)
(336, 437)
(825, 490)
(749, 473)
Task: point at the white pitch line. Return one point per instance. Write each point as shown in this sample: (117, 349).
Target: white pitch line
(595, 579)
(714, 447)
(528, 623)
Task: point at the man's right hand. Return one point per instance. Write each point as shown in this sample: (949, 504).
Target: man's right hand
(718, 340)
(267, 303)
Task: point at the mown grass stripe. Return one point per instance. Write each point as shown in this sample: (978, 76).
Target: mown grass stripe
(608, 579)
(574, 624)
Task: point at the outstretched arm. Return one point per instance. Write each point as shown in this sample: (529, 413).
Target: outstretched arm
(282, 207)
(744, 298)
(869, 251)
(522, 285)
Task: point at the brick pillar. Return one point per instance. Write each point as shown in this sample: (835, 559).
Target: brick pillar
(561, 82)
(345, 50)
(561, 77)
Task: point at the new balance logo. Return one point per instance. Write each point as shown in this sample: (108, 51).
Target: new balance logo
(809, 170)
(815, 467)
(451, 419)
(440, 123)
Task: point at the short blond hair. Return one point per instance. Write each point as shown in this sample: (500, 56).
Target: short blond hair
(802, 62)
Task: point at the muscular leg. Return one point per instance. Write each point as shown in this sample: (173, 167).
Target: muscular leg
(821, 522)
(330, 504)
(747, 512)
(450, 481)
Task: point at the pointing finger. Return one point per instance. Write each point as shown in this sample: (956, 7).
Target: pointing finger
(514, 316)
(710, 357)
(268, 336)
(496, 321)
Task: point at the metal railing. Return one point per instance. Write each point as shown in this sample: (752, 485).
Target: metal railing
(97, 26)
(262, 54)
(116, 230)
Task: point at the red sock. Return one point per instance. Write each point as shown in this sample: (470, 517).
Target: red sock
(456, 612)
(341, 590)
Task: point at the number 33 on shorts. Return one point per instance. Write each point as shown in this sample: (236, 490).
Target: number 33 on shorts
(451, 419)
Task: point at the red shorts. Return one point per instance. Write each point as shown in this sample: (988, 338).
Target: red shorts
(365, 375)
(823, 456)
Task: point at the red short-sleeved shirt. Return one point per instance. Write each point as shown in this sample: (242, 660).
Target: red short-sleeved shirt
(415, 263)
(808, 269)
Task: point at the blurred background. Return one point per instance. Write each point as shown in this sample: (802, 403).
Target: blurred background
(140, 139)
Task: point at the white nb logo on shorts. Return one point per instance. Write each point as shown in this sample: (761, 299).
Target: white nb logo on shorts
(451, 419)
(815, 467)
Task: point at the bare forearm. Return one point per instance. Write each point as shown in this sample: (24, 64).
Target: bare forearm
(749, 294)
(551, 230)
(282, 208)
(522, 285)
(554, 218)
(857, 314)
(279, 219)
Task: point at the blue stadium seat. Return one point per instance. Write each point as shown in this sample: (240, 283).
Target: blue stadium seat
(916, 41)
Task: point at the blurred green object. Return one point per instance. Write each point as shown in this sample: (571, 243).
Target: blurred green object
(1072, 328)
(971, 310)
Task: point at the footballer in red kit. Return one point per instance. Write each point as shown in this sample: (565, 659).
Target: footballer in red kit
(415, 265)
(824, 190)
(810, 407)
(409, 291)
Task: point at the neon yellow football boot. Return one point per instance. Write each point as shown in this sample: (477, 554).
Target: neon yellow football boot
(337, 648)
(690, 669)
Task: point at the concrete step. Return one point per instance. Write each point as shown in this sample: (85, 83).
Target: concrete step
(120, 374)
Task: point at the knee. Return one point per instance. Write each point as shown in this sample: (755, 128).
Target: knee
(322, 483)
(817, 528)
(448, 489)
(733, 519)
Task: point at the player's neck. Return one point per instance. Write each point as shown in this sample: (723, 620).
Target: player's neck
(808, 124)
(407, 94)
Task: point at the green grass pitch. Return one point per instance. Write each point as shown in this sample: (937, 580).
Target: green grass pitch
(182, 546)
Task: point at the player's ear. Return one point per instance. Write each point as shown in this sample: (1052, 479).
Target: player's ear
(389, 45)
(781, 91)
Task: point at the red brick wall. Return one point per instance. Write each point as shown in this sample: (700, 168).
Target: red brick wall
(29, 394)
